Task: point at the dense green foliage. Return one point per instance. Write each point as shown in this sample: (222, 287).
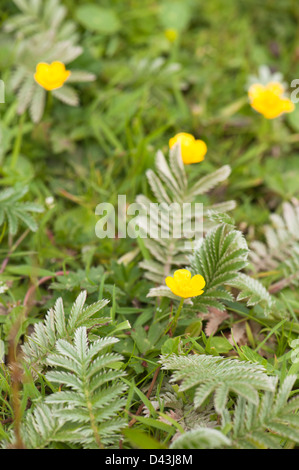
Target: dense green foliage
(94, 355)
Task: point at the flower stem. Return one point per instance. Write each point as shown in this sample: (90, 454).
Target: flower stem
(18, 142)
(265, 131)
(176, 317)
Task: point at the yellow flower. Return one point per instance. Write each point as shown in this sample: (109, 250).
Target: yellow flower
(171, 34)
(183, 285)
(193, 151)
(51, 76)
(269, 100)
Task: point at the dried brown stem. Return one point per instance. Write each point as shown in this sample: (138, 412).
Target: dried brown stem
(32, 288)
(14, 247)
(278, 286)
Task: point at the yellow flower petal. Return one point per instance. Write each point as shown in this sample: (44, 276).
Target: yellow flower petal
(184, 138)
(288, 105)
(255, 91)
(171, 34)
(51, 76)
(198, 282)
(276, 88)
(185, 286)
(182, 275)
(170, 282)
(197, 153)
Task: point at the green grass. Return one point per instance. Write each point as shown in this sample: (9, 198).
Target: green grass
(146, 90)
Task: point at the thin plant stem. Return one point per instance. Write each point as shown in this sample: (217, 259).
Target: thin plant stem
(173, 324)
(176, 317)
(4, 264)
(18, 143)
